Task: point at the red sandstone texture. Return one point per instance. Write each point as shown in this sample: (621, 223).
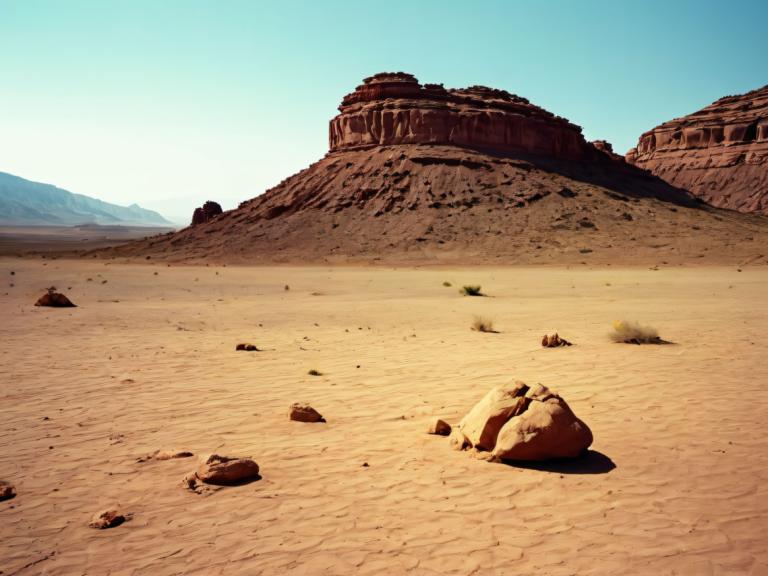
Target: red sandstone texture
(393, 108)
(719, 153)
(423, 174)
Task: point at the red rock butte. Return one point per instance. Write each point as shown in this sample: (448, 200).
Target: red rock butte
(719, 153)
(418, 173)
(393, 108)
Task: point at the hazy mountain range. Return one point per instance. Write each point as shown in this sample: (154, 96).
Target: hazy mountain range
(27, 203)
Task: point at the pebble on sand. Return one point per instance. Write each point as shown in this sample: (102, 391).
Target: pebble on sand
(108, 518)
(7, 490)
(247, 347)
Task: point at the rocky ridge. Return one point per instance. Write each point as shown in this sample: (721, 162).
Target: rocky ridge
(719, 153)
(417, 173)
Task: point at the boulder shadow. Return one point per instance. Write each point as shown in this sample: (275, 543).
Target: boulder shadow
(590, 462)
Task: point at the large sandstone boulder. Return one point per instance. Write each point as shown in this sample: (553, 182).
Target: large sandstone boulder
(481, 426)
(519, 422)
(548, 428)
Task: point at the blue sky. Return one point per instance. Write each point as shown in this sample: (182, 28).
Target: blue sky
(168, 103)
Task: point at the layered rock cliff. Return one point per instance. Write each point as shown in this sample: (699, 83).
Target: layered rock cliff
(393, 108)
(424, 174)
(719, 153)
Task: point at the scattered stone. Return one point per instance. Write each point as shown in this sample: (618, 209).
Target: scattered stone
(224, 471)
(439, 427)
(247, 347)
(304, 413)
(108, 518)
(54, 299)
(7, 490)
(554, 341)
(519, 423)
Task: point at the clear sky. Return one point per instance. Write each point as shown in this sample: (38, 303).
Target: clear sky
(168, 103)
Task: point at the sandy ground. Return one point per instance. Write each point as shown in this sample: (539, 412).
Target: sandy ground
(677, 482)
(18, 240)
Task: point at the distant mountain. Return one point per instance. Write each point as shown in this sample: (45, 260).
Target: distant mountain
(23, 202)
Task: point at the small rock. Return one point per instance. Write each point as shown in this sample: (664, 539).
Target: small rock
(108, 518)
(226, 471)
(54, 299)
(554, 341)
(439, 427)
(304, 413)
(7, 490)
(247, 347)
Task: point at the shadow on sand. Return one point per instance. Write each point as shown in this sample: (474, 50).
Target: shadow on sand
(591, 462)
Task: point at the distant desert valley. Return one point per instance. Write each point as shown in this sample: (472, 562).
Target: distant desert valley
(466, 340)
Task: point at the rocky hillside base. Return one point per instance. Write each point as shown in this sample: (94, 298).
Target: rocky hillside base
(444, 204)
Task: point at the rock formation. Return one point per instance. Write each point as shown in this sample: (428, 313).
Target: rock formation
(304, 413)
(222, 471)
(206, 213)
(419, 173)
(519, 422)
(719, 153)
(393, 108)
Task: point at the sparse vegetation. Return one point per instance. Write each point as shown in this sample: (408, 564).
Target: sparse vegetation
(482, 324)
(629, 332)
(471, 290)
(447, 284)
(314, 372)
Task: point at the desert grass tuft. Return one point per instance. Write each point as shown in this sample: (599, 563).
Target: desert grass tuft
(482, 324)
(628, 332)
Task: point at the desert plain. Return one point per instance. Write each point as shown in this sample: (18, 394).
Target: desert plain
(676, 481)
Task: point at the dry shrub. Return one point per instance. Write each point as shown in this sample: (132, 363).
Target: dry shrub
(471, 290)
(481, 324)
(629, 332)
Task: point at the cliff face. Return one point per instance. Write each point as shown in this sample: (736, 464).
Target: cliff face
(719, 153)
(423, 174)
(393, 108)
